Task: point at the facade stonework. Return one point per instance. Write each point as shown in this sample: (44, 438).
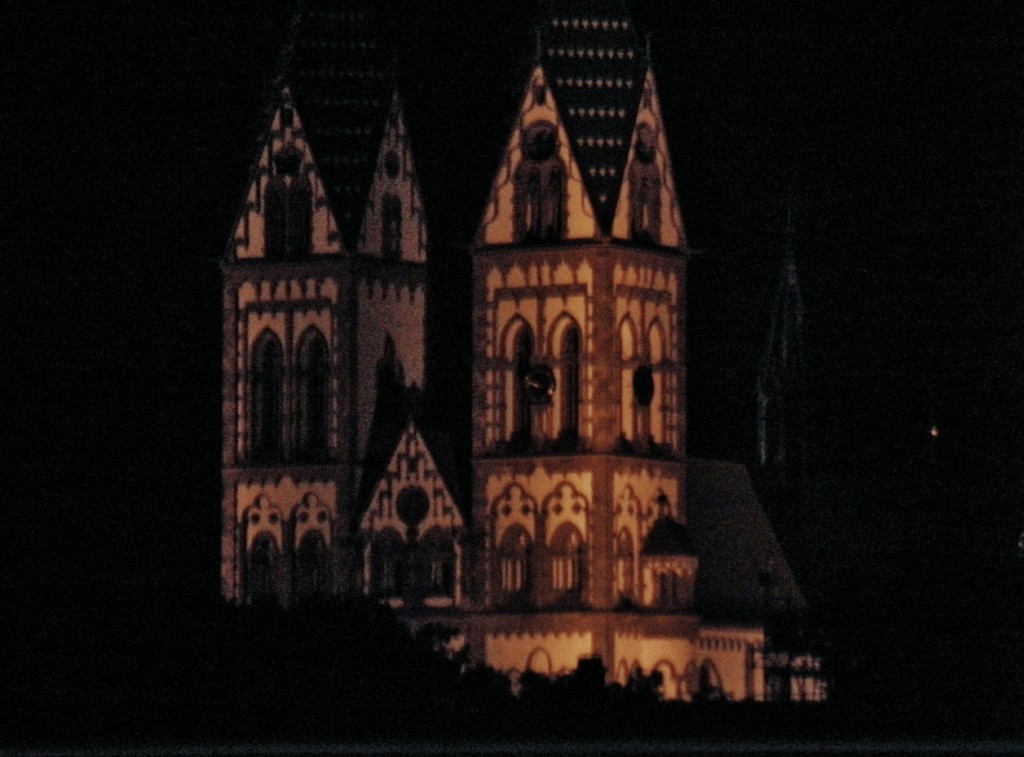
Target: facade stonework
(584, 533)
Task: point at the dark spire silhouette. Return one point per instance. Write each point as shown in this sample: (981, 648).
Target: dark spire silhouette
(780, 383)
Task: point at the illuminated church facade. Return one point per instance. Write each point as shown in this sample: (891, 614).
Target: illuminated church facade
(586, 531)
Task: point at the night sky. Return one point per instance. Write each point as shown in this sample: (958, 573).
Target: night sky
(897, 128)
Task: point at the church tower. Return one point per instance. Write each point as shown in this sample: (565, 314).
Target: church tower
(579, 308)
(323, 302)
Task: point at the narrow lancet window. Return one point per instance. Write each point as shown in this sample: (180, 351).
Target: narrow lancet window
(265, 399)
(567, 560)
(514, 561)
(570, 384)
(312, 400)
(522, 357)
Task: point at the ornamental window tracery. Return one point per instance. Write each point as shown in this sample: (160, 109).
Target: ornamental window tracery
(567, 560)
(514, 561)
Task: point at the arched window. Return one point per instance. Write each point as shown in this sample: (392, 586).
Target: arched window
(659, 400)
(261, 573)
(388, 565)
(438, 563)
(671, 593)
(567, 559)
(514, 561)
(570, 384)
(624, 564)
(265, 398)
(312, 400)
(539, 195)
(391, 227)
(522, 357)
(627, 355)
(312, 576)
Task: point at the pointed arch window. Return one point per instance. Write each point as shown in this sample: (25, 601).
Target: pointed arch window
(522, 357)
(570, 384)
(624, 564)
(671, 591)
(627, 359)
(391, 227)
(261, 572)
(312, 399)
(438, 563)
(539, 194)
(514, 561)
(265, 398)
(659, 402)
(388, 565)
(567, 560)
(312, 578)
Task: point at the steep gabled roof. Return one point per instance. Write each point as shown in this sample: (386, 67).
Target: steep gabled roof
(340, 71)
(416, 459)
(743, 570)
(595, 65)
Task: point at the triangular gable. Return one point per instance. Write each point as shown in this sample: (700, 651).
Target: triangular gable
(498, 225)
(393, 221)
(411, 465)
(285, 134)
(649, 168)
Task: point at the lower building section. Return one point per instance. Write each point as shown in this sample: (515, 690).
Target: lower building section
(695, 661)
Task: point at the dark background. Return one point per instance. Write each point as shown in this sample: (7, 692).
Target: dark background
(897, 129)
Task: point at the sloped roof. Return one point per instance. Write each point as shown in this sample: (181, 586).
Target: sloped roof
(339, 66)
(667, 537)
(742, 568)
(595, 65)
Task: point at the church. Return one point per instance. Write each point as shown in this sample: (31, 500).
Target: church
(586, 532)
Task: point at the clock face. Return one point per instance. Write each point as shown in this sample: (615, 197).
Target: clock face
(540, 141)
(540, 384)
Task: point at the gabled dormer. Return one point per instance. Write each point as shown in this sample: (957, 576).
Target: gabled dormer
(648, 208)
(412, 528)
(538, 195)
(394, 227)
(286, 215)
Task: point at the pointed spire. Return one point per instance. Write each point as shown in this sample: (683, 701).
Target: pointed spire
(780, 442)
